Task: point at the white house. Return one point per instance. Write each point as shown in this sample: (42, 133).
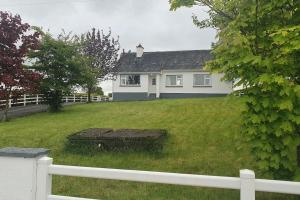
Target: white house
(166, 74)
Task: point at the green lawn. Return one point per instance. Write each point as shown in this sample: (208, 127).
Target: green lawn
(203, 139)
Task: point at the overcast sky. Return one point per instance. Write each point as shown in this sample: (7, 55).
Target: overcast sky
(148, 22)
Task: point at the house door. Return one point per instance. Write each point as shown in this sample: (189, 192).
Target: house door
(152, 86)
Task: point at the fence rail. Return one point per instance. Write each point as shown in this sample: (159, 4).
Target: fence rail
(26, 99)
(55, 197)
(27, 174)
(146, 176)
(246, 183)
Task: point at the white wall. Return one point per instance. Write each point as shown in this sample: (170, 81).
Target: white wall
(16, 178)
(142, 88)
(218, 86)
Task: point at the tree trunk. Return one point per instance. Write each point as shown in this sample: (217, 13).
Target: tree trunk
(298, 155)
(4, 117)
(89, 95)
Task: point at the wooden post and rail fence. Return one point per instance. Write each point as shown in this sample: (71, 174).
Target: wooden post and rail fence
(26, 174)
(27, 99)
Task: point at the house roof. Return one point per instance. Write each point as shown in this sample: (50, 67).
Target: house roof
(164, 60)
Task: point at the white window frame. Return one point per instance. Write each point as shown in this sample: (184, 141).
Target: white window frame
(125, 77)
(205, 78)
(178, 77)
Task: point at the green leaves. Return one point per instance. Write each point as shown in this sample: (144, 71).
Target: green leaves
(295, 119)
(287, 127)
(179, 3)
(297, 91)
(259, 45)
(61, 65)
(286, 105)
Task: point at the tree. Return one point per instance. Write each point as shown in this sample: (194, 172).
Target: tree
(88, 77)
(16, 40)
(259, 45)
(102, 50)
(97, 91)
(61, 66)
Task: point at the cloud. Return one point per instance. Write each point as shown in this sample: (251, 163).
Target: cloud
(136, 21)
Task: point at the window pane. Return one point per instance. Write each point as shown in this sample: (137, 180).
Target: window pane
(134, 79)
(153, 81)
(137, 79)
(179, 80)
(123, 79)
(171, 80)
(198, 79)
(202, 79)
(207, 80)
(174, 80)
(130, 79)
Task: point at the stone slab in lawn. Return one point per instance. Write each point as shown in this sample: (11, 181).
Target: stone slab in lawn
(105, 138)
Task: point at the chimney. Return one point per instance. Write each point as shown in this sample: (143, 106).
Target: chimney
(139, 51)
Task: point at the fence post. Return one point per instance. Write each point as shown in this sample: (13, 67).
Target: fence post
(74, 98)
(80, 98)
(247, 184)
(24, 99)
(19, 172)
(37, 99)
(9, 103)
(44, 179)
(66, 99)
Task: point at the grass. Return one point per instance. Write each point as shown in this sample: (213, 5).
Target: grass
(204, 138)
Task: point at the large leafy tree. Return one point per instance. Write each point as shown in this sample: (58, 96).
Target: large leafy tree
(61, 66)
(98, 91)
(102, 50)
(16, 40)
(259, 45)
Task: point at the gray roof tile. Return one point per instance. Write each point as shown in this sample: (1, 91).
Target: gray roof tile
(164, 60)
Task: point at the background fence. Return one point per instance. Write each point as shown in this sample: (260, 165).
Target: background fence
(28, 99)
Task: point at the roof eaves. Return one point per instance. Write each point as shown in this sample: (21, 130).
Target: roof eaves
(139, 72)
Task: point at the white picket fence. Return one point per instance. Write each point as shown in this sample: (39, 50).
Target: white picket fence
(27, 177)
(26, 99)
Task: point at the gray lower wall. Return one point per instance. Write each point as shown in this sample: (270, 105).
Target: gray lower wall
(152, 96)
(133, 96)
(129, 96)
(188, 95)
